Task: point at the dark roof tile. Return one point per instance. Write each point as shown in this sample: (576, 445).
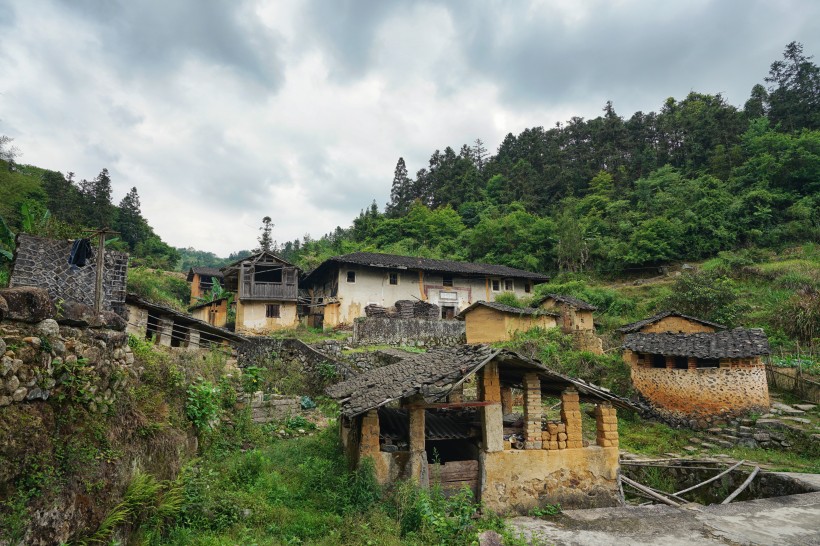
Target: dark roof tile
(507, 309)
(737, 343)
(579, 304)
(636, 326)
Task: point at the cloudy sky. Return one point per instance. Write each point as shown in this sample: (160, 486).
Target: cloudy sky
(222, 112)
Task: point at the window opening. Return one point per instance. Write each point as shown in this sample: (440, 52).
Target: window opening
(394, 278)
(496, 285)
(708, 363)
(272, 310)
(267, 274)
(681, 363)
(447, 280)
(508, 284)
(658, 361)
(351, 276)
(527, 288)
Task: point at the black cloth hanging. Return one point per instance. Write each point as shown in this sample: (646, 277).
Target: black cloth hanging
(81, 252)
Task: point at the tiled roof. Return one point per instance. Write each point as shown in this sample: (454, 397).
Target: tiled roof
(737, 343)
(434, 373)
(204, 272)
(183, 319)
(506, 309)
(579, 304)
(636, 326)
(394, 261)
(206, 304)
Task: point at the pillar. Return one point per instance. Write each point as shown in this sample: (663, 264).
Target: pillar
(193, 338)
(532, 411)
(165, 331)
(492, 425)
(506, 400)
(692, 363)
(418, 454)
(606, 423)
(369, 441)
(670, 362)
(571, 417)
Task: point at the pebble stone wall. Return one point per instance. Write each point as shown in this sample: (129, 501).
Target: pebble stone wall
(416, 332)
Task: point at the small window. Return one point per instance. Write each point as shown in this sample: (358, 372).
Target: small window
(447, 280)
(708, 363)
(394, 278)
(351, 276)
(658, 361)
(272, 310)
(508, 284)
(681, 363)
(527, 287)
(496, 285)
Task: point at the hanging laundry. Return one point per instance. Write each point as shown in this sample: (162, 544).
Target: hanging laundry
(81, 252)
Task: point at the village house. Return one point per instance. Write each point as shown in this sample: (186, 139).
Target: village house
(488, 322)
(695, 375)
(172, 328)
(576, 319)
(202, 281)
(341, 287)
(267, 291)
(670, 322)
(415, 420)
(214, 312)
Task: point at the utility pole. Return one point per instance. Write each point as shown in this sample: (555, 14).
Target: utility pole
(98, 286)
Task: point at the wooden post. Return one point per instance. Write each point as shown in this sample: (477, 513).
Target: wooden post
(98, 288)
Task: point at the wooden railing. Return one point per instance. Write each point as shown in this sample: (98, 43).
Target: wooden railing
(269, 291)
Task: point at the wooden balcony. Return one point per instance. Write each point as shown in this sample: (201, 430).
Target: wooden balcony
(269, 291)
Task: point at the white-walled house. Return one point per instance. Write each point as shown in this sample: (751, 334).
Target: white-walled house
(341, 287)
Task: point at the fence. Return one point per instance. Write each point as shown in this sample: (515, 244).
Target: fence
(793, 379)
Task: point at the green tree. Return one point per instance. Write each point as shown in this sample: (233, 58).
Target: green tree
(401, 192)
(707, 295)
(129, 222)
(794, 94)
(266, 242)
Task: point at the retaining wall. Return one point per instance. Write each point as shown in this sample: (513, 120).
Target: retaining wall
(415, 332)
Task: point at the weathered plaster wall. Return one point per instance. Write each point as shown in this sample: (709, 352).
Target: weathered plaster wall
(373, 286)
(677, 325)
(703, 391)
(389, 331)
(43, 263)
(137, 321)
(572, 320)
(520, 480)
(250, 317)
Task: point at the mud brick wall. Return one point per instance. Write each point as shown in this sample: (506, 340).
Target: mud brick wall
(703, 391)
(44, 263)
(418, 332)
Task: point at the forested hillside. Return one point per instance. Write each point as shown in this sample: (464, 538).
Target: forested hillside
(48, 203)
(614, 194)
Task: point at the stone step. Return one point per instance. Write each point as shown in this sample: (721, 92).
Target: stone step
(799, 420)
(805, 407)
(785, 408)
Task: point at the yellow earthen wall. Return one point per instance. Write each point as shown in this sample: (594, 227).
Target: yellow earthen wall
(485, 325)
(677, 325)
(704, 391)
(213, 314)
(520, 480)
(250, 317)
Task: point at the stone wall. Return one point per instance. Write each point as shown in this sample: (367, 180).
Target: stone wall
(696, 393)
(417, 332)
(266, 408)
(520, 480)
(43, 360)
(257, 351)
(43, 263)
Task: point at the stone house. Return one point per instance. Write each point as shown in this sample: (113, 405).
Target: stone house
(670, 322)
(487, 322)
(340, 288)
(415, 420)
(693, 375)
(267, 291)
(172, 328)
(202, 280)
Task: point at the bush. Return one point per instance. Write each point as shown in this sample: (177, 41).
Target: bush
(707, 295)
(202, 404)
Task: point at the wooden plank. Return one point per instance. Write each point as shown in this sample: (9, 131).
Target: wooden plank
(743, 486)
(453, 405)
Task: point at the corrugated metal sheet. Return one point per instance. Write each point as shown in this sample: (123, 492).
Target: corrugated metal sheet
(395, 424)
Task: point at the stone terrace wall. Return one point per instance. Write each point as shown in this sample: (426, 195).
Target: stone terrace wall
(258, 350)
(692, 394)
(42, 360)
(43, 263)
(266, 408)
(418, 332)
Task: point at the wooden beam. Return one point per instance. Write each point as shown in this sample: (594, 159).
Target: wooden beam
(649, 492)
(450, 405)
(743, 486)
(710, 480)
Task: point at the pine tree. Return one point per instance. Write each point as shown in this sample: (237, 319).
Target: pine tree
(400, 192)
(266, 242)
(130, 223)
(99, 212)
(479, 154)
